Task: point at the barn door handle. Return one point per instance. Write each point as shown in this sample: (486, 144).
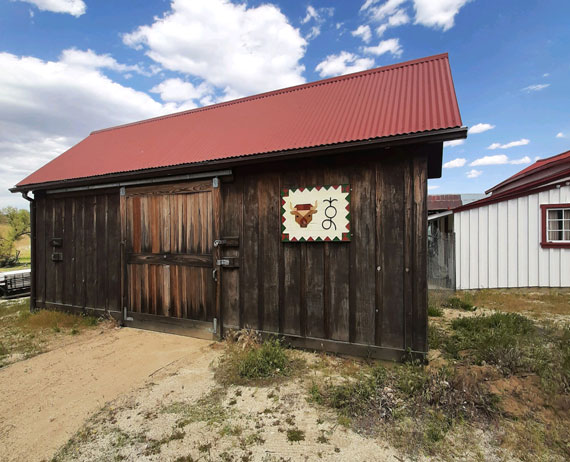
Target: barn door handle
(215, 274)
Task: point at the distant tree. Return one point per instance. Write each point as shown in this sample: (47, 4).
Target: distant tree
(18, 221)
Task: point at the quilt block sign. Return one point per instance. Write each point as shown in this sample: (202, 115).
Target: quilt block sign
(315, 213)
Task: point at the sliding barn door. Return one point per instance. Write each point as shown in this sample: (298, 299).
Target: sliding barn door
(169, 256)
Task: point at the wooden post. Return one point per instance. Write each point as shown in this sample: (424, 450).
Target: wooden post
(124, 280)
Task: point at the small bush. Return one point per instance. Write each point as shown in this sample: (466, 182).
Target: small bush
(266, 361)
(501, 339)
(435, 311)
(249, 360)
(295, 435)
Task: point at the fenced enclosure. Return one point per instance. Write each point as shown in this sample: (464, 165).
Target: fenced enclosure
(15, 283)
(441, 260)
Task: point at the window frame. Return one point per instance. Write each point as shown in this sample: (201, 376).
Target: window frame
(544, 242)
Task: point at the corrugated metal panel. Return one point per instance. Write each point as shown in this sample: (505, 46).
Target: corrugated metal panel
(412, 97)
(498, 245)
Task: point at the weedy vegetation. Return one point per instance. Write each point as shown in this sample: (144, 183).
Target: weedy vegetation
(24, 334)
(486, 360)
(249, 360)
(412, 406)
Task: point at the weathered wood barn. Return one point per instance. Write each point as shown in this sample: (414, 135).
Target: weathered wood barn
(299, 212)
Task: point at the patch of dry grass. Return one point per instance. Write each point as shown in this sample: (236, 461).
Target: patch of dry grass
(24, 334)
(536, 302)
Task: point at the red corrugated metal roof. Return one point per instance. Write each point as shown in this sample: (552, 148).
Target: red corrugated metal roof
(411, 97)
(540, 164)
(444, 201)
(543, 174)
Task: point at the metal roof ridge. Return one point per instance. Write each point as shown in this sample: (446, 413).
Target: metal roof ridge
(280, 91)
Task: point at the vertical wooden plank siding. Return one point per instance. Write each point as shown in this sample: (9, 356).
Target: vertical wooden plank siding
(314, 311)
(232, 203)
(419, 269)
(89, 274)
(371, 291)
(41, 241)
(249, 277)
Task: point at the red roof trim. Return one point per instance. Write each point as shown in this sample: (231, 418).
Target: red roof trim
(538, 166)
(521, 191)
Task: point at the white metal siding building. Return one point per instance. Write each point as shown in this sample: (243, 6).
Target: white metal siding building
(499, 245)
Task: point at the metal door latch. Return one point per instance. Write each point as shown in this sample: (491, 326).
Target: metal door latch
(219, 242)
(215, 274)
(223, 262)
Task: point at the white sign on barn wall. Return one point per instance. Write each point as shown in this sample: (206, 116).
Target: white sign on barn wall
(315, 213)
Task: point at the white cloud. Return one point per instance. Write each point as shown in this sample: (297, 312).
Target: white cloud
(437, 13)
(473, 173)
(537, 87)
(512, 144)
(399, 18)
(546, 74)
(90, 59)
(311, 14)
(452, 143)
(73, 7)
(380, 12)
(431, 187)
(480, 128)
(560, 135)
(47, 106)
(455, 163)
(179, 91)
(343, 63)
(319, 17)
(232, 47)
(498, 159)
(386, 46)
(522, 160)
(314, 32)
(363, 31)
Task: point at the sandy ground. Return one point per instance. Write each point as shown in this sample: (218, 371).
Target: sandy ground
(46, 399)
(178, 417)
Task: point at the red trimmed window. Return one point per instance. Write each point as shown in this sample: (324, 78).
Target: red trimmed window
(555, 225)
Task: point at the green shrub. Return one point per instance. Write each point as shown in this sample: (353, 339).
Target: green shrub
(435, 311)
(266, 361)
(295, 435)
(253, 362)
(501, 339)
(436, 337)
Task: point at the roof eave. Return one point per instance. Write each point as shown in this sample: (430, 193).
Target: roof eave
(433, 136)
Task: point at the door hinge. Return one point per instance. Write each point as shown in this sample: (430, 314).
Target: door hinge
(214, 329)
(125, 315)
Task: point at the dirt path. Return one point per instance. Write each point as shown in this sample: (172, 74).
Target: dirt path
(44, 400)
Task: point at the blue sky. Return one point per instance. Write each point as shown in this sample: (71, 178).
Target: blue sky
(68, 67)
